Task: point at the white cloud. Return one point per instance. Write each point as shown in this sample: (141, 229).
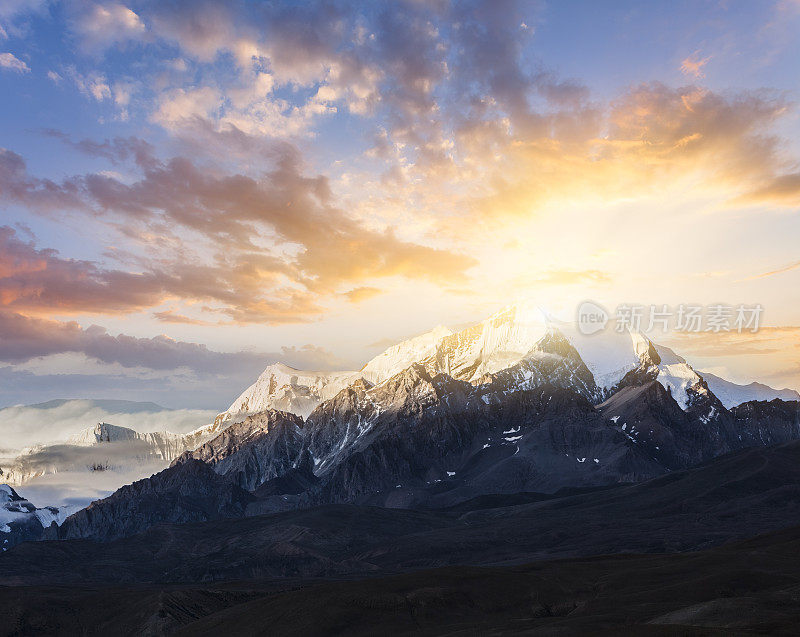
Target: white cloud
(178, 106)
(14, 12)
(12, 8)
(82, 487)
(101, 25)
(93, 84)
(26, 425)
(12, 63)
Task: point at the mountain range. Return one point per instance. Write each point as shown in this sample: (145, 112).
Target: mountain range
(514, 440)
(516, 403)
(517, 348)
(498, 343)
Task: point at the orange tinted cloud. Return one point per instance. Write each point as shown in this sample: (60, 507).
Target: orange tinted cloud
(357, 295)
(168, 316)
(23, 338)
(783, 190)
(277, 245)
(786, 268)
(693, 65)
(647, 139)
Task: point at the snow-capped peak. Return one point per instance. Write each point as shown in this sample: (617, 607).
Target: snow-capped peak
(400, 356)
(497, 343)
(285, 388)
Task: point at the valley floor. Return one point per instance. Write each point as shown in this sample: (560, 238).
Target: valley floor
(750, 587)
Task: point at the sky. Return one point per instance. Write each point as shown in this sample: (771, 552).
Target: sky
(191, 190)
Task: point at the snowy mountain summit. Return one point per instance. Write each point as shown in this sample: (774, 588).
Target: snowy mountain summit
(502, 341)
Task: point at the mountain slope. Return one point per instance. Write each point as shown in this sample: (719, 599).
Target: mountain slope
(417, 438)
(261, 447)
(420, 440)
(400, 356)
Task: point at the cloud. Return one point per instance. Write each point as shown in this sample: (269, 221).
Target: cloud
(693, 65)
(169, 316)
(10, 62)
(349, 60)
(100, 25)
(78, 486)
(13, 14)
(571, 277)
(174, 388)
(768, 341)
(117, 150)
(783, 190)
(648, 138)
(279, 242)
(23, 338)
(17, 186)
(179, 107)
(55, 421)
(357, 295)
(39, 280)
(781, 270)
(93, 84)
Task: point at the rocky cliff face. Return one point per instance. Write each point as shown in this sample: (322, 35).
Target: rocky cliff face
(249, 453)
(420, 438)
